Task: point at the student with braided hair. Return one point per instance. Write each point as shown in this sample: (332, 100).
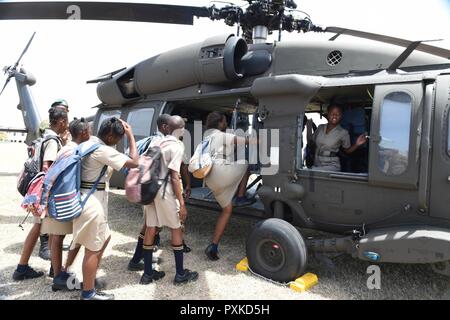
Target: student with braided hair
(91, 228)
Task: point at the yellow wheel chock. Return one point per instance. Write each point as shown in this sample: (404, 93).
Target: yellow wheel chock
(302, 284)
(242, 265)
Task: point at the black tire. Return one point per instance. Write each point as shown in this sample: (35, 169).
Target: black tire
(276, 250)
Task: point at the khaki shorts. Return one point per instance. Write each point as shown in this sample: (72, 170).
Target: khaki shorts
(163, 212)
(51, 226)
(91, 228)
(37, 220)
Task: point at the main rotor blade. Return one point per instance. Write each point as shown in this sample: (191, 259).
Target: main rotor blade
(120, 11)
(440, 52)
(24, 50)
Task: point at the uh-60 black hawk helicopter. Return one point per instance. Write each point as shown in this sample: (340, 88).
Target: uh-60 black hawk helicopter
(392, 208)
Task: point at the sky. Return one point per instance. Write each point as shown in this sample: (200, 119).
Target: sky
(67, 53)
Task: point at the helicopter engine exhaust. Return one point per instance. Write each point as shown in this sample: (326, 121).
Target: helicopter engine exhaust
(213, 61)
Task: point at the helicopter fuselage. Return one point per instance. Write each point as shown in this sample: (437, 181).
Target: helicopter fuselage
(404, 184)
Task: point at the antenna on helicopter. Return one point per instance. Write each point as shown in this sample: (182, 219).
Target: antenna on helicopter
(11, 70)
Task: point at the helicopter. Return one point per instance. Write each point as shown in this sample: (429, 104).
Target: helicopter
(389, 204)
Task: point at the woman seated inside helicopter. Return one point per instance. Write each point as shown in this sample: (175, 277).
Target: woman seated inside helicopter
(330, 138)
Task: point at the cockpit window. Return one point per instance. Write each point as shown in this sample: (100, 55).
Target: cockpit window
(395, 125)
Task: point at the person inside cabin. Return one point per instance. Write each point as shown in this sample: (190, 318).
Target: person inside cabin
(330, 138)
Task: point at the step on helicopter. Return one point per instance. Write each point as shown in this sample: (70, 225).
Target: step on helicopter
(389, 203)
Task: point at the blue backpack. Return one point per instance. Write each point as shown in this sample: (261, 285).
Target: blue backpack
(61, 189)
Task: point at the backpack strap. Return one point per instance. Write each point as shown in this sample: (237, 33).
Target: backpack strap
(166, 181)
(89, 150)
(146, 145)
(94, 187)
(44, 141)
(83, 153)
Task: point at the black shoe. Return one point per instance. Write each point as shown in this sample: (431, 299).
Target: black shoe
(30, 273)
(132, 266)
(186, 249)
(44, 251)
(156, 275)
(243, 201)
(211, 254)
(51, 274)
(98, 295)
(188, 276)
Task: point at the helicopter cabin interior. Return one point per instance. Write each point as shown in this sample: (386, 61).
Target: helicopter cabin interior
(240, 113)
(355, 103)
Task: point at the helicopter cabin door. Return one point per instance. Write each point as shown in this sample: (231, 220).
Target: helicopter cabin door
(440, 169)
(395, 135)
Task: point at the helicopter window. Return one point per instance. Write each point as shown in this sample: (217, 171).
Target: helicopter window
(141, 121)
(108, 114)
(395, 124)
(448, 135)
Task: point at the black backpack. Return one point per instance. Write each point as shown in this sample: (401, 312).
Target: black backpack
(33, 165)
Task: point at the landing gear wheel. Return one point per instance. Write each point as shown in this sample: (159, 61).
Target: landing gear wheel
(276, 250)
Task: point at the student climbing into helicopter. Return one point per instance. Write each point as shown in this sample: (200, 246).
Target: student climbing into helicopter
(227, 177)
(330, 138)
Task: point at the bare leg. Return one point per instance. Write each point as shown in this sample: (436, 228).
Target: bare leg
(91, 262)
(102, 252)
(50, 240)
(177, 236)
(149, 237)
(71, 257)
(29, 244)
(56, 242)
(222, 223)
(243, 184)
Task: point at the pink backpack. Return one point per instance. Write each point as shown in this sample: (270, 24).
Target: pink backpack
(143, 183)
(32, 200)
